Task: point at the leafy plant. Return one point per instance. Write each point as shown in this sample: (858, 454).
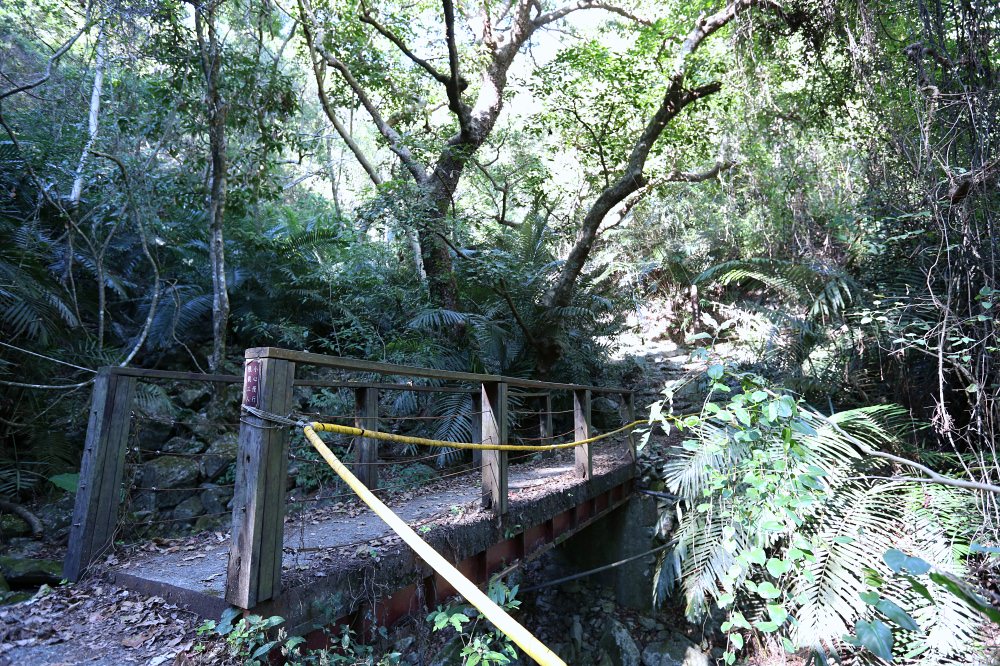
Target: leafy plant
(782, 517)
(479, 647)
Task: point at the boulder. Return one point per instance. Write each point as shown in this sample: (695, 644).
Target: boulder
(619, 645)
(22, 573)
(676, 651)
(174, 480)
(215, 499)
(151, 433)
(183, 445)
(219, 456)
(196, 397)
(189, 509)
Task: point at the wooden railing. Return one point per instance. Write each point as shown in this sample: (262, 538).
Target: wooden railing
(254, 570)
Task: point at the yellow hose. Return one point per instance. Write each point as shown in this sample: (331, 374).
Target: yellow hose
(420, 441)
(533, 647)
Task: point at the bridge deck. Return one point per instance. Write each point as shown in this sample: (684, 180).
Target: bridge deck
(341, 558)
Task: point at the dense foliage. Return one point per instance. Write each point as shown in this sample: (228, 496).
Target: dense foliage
(812, 185)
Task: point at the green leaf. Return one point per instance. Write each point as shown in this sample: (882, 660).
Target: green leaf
(68, 482)
(777, 568)
(715, 371)
(777, 613)
(768, 590)
(225, 625)
(766, 626)
(756, 556)
(875, 636)
(737, 640)
(869, 597)
(920, 589)
(979, 548)
(897, 560)
(966, 594)
(897, 615)
(263, 650)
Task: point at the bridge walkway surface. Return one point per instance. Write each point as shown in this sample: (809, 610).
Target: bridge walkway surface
(340, 560)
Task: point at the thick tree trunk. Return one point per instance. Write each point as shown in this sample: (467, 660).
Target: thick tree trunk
(211, 56)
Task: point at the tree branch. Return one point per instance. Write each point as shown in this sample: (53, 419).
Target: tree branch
(392, 137)
(331, 114)
(48, 67)
(154, 299)
(555, 15)
(367, 17)
(454, 84)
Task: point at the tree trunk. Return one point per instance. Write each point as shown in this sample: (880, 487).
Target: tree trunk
(211, 57)
(92, 119)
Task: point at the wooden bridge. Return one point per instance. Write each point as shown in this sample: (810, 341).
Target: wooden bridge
(317, 568)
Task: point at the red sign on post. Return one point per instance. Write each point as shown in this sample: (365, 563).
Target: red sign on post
(251, 383)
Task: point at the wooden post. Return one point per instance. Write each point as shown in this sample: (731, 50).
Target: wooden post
(477, 427)
(545, 423)
(95, 514)
(254, 573)
(494, 431)
(366, 416)
(627, 411)
(581, 422)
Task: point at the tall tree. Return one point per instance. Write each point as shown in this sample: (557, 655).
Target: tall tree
(210, 53)
(500, 34)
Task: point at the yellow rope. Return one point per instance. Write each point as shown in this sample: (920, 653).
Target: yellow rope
(421, 441)
(533, 647)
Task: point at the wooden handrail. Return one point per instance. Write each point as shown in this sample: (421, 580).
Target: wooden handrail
(356, 365)
(148, 373)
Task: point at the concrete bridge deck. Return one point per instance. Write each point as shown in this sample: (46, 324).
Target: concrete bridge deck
(342, 561)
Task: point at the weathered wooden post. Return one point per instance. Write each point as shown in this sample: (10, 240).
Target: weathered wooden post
(254, 572)
(477, 427)
(545, 421)
(494, 431)
(581, 422)
(366, 417)
(98, 494)
(627, 410)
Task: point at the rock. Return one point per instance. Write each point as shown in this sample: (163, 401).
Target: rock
(203, 429)
(647, 623)
(57, 515)
(215, 498)
(196, 397)
(576, 632)
(21, 573)
(173, 478)
(189, 509)
(619, 645)
(211, 523)
(677, 651)
(151, 434)
(404, 645)
(219, 456)
(450, 654)
(183, 445)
